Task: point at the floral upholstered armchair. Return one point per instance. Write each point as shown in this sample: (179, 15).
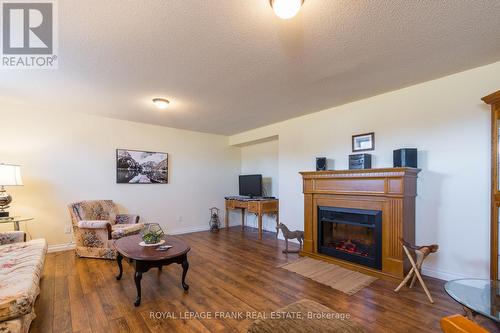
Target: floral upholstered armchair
(96, 224)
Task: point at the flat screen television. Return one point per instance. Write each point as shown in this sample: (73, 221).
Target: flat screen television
(251, 185)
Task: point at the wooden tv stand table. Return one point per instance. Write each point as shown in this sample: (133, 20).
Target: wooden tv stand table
(258, 207)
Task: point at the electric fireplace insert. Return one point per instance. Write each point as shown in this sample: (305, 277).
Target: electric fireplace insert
(351, 234)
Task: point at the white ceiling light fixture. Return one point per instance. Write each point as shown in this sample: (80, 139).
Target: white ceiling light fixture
(161, 103)
(286, 9)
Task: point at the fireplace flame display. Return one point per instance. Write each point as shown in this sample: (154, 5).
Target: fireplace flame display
(350, 234)
(349, 238)
(352, 247)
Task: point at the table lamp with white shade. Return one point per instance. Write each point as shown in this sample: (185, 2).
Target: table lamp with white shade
(10, 175)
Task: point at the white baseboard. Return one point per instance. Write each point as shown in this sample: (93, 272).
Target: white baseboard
(179, 231)
(442, 275)
(187, 230)
(61, 247)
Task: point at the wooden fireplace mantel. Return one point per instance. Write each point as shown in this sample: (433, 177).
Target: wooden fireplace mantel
(390, 190)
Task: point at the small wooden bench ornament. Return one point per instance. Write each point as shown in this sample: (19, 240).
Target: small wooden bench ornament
(421, 252)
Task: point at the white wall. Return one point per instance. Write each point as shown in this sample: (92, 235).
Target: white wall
(70, 157)
(262, 158)
(446, 120)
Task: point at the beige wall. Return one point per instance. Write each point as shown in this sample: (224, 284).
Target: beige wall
(446, 120)
(69, 157)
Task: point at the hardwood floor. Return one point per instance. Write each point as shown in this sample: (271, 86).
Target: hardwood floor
(229, 271)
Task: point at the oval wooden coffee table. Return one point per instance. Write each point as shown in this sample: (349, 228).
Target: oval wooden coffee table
(147, 257)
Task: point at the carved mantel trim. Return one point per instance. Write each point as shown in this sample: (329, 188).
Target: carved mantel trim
(365, 173)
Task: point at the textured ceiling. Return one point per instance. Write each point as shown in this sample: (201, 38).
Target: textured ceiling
(231, 65)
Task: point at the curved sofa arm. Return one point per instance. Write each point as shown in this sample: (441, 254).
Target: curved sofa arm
(127, 219)
(9, 237)
(87, 224)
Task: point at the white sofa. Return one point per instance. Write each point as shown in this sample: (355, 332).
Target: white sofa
(21, 266)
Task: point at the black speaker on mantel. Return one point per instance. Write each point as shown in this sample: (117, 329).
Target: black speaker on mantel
(360, 161)
(405, 157)
(320, 163)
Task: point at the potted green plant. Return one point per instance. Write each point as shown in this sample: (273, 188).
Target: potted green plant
(152, 233)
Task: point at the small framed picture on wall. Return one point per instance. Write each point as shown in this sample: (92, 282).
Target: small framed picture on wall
(363, 142)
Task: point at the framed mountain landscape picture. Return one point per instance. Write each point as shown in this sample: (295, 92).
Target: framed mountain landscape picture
(141, 167)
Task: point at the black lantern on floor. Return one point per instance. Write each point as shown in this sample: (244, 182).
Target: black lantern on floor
(214, 219)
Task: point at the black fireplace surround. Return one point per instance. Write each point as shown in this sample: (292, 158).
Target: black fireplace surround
(353, 235)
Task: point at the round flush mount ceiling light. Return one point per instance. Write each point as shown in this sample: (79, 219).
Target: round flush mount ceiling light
(286, 9)
(161, 103)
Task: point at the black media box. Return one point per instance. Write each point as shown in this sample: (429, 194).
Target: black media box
(360, 161)
(406, 157)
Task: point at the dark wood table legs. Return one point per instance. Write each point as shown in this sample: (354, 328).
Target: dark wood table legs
(144, 266)
(137, 279)
(119, 259)
(185, 267)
